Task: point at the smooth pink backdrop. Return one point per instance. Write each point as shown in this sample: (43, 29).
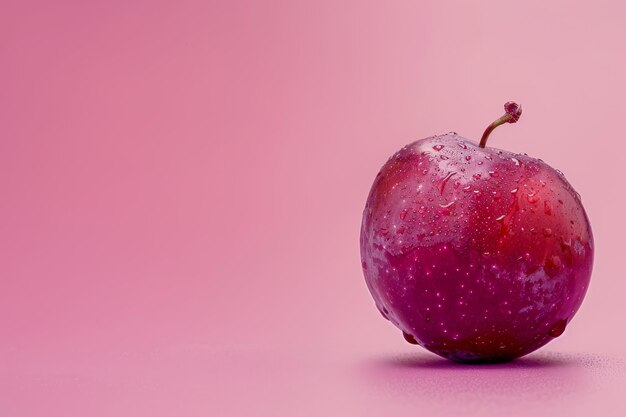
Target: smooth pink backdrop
(181, 186)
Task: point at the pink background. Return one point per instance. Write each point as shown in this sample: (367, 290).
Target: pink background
(181, 186)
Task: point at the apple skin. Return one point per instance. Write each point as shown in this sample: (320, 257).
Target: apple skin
(476, 254)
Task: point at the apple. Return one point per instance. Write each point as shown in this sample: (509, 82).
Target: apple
(475, 253)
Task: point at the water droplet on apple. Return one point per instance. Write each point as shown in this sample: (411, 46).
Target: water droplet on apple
(409, 338)
(445, 180)
(467, 188)
(552, 265)
(438, 147)
(514, 190)
(492, 173)
(468, 158)
(403, 214)
(462, 145)
(568, 252)
(515, 161)
(445, 208)
(558, 328)
(500, 218)
(532, 198)
(547, 207)
(476, 176)
(496, 195)
(547, 232)
(480, 162)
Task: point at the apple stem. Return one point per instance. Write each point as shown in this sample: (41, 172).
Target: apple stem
(512, 115)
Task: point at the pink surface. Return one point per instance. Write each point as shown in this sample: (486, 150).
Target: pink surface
(182, 186)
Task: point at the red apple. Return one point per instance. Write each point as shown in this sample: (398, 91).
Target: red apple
(475, 253)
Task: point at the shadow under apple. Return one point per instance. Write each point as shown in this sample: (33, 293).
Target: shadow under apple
(533, 381)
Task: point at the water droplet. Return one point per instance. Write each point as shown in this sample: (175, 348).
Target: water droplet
(467, 188)
(462, 145)
(468, 158)
(547, 207)
(515, 161)
(486, 254)
(383, 312)
(501, 217)
(424, 171)
(445, 180)
(547, 232)
(409, 338)
(558, 328)
(496, 195)
(403, 214)
(552, 265)
(438, 147)
(445, 208)
(532, 198)
(492, 173)
(476, 176)
(568, 252)
(422, 210)
(514, 190)
(488, 157)
(443, 157)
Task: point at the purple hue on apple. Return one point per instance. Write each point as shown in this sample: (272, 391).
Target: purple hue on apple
(476, 254)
